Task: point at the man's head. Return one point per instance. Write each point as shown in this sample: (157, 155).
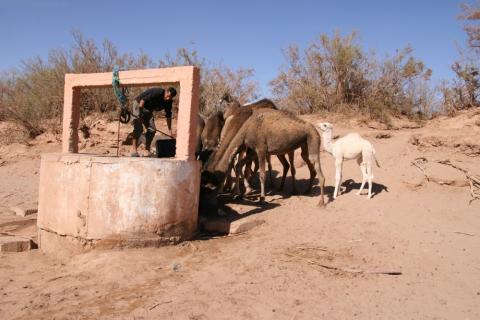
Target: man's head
(170, 93)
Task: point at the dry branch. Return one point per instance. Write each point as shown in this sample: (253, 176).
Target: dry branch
(419, 163)
(473, 179)
(350, 270)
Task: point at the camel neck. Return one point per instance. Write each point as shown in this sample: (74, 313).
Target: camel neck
(327, 141)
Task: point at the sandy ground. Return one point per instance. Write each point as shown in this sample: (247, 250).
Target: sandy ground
(300, 262)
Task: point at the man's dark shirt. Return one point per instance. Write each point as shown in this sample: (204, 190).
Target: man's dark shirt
(153, 101)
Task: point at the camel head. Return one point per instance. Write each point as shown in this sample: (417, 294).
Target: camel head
(226, 98)
(212, 130)
(229, 105)
(324, 126)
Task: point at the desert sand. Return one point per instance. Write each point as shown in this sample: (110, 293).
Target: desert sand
(297, 262)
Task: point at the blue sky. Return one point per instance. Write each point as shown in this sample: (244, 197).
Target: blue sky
(245, 33)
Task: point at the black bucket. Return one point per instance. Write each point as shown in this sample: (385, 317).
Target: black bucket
(166, 148)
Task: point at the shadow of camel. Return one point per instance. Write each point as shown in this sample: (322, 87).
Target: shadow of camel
(351, 185)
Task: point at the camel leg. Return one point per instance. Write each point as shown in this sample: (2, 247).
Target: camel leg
(363, 168)
(261, 159)
(270, 174)
(291, 159)
(245, 158)
(248, 176)
(249, 173)
(370, 179)
(311, 168)
(238, 174)
(286, 167)
(247, 162)
(321, 179)
(338, 176)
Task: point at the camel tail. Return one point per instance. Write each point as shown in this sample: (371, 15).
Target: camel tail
(375, 157)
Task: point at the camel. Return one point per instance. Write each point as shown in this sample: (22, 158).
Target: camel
(271, 132)
(210, 136)
(352, 146)
(235, 115)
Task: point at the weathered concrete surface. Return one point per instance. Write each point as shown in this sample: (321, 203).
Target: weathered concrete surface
(187, 77)
(85, 200)
(15, 244)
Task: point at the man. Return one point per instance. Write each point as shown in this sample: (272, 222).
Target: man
(144, 105)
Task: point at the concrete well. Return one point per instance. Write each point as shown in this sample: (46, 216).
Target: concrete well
(89, 201)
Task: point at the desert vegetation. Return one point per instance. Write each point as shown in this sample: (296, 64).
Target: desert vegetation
(335, 73)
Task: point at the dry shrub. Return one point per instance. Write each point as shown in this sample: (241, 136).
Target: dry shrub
(34, 93)
(216, 80)
(335, 74)
(462, 92)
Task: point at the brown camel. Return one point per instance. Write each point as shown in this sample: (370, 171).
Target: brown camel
(271, 132)
(211, 133)
(235, 116)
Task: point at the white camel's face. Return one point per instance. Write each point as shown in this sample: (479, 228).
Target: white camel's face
(324, 126)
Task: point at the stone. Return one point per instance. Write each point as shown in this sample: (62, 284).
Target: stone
(241, 226)
(15, 244)
(217, 225)
(383, 135)
(226, 225)
(22, 213)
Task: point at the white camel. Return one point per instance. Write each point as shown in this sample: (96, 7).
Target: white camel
(352, 146)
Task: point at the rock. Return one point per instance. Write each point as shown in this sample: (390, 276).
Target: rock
(240, 226)
(22, 213)
(224, 225)
(383, 135)
(216, 225)
(15, 244)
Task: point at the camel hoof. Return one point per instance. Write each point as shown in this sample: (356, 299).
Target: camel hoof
(321, 204)
(262, 200)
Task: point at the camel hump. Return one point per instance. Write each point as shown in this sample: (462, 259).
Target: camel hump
(262, 103)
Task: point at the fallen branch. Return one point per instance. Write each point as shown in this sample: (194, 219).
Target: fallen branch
(464, 233)
(473, 179)
(417, 162)
(349, 270)
(156, 305)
